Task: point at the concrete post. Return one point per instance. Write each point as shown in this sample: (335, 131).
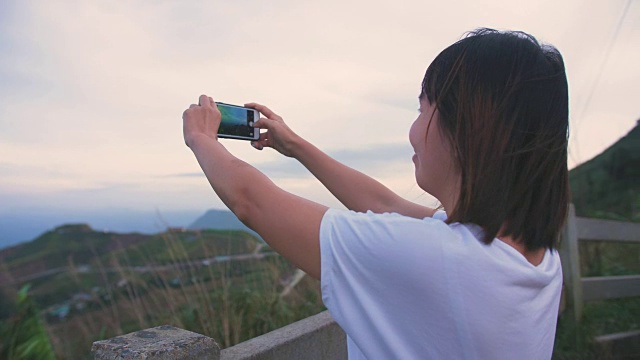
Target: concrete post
(163, 343)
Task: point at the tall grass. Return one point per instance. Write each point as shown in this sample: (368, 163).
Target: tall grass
(576, 341)
(24, 336)
(597, 258)
(229, 301)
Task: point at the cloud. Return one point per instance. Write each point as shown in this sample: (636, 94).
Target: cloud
(380, 159)
(92, 92)
(377, 158)
(187, 175)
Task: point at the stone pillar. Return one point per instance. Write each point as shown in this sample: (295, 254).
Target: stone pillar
(163, 343)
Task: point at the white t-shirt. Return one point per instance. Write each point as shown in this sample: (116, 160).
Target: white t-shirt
(405, 288)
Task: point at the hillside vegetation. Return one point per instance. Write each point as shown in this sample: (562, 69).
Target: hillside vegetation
(608, 186)
(92, 285)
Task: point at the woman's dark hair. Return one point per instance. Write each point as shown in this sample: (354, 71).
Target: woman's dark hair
(502, 102)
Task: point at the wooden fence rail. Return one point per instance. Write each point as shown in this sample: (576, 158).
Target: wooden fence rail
(579, 290)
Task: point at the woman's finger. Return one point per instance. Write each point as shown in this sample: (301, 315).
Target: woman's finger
(204, 101)
(259, 144)
(262, 123)
(264, 111)
(192, 106)
(256, 145)
(264, 139)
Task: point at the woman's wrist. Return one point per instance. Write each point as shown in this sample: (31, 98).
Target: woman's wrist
(193, 141)
(296, 147)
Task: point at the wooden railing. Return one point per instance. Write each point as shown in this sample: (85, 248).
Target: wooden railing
(580, 290)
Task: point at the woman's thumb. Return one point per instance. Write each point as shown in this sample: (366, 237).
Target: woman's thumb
(262, 123)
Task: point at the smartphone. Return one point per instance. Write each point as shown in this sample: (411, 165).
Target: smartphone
(237, 122)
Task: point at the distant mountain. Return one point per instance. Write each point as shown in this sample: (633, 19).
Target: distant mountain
(79, 244)
(73, 258)
(71, 243)
(608, 186)
(25, 225)
(220, 220)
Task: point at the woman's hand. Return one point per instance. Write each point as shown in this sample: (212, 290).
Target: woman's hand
(288, 223)
(201, 120)
(278, 134)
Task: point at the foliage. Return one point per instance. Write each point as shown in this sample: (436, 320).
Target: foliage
(190, 244)
(608, 186)
(7, 305)
(599, 318)
(54, 247)
(203, 281)
(605, 258)
(24, 335)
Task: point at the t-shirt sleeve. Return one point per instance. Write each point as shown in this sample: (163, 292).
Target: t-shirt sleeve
(372, 262)
(440, 215)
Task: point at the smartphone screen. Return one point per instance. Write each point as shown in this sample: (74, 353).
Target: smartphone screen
(237, 122)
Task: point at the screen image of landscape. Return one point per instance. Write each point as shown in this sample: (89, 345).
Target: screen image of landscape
(234, 121)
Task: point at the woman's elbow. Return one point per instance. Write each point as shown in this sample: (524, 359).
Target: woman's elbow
(247, 209)
(243, 209)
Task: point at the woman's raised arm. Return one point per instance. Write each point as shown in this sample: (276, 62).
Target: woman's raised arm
(352, 188)
(288, 223)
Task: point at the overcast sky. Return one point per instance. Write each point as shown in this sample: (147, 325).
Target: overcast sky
(92, 92)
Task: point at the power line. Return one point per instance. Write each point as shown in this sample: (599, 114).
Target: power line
(606, 58)
(600, 70)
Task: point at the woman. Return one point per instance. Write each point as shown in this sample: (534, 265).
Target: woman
(479, 281)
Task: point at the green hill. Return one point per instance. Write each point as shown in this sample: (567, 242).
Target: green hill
(79, 244)
(221, 220)
(91, 285)
(608, 186)
(56, 247)
(57, 262)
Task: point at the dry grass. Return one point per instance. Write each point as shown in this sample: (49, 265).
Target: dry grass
(228, 301)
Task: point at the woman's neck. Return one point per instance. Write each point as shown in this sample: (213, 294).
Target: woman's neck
(533, 256)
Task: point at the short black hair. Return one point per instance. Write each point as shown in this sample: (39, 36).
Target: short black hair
(502, 102)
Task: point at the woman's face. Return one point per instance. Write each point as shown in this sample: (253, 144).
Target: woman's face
(435, 168)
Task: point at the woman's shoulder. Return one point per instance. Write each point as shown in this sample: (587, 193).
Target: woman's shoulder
(389, 220)
(386, 232)
(387, 247)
